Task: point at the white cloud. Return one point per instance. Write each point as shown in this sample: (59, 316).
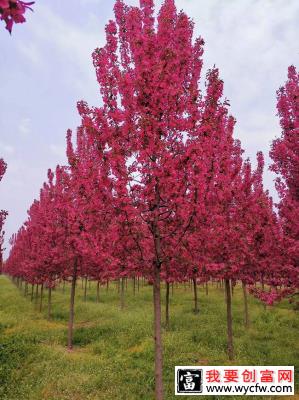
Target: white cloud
(31, 52)
(24, 126)
(6, 149)
(71, 45)
(57, 150)
(88, 2)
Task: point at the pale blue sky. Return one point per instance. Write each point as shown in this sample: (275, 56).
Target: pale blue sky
(46, 67)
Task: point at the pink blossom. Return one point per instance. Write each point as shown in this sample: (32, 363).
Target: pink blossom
(12, 11)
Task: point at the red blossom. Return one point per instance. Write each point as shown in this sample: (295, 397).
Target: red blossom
(12, 11)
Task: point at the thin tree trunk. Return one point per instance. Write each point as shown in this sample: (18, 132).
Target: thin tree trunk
(107, 286)
(72, 303)
(230, 347)
(134, 285)
(36, 294)
(49, 302)
(32, 292)
(263, 289)
(85, 289)
(157, 302)
(246, 316)
(98, 291)
(196, 310)
(63, 286)
(167, 306)
(41, 298)
(207, 288)
(122, 294)
(172, 289)
(158, 335)
(138, 283)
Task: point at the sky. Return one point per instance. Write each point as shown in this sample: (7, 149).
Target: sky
(46, 67)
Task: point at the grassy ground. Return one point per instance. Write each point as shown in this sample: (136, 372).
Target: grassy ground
(113, 354)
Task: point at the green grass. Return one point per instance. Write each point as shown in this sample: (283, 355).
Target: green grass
(113, 353)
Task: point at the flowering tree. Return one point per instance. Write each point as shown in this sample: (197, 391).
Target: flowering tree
(152, 123)
(87, 193)
(285, 155)
(3, 215)
(260, 233)
(12, 11)
(38, 253)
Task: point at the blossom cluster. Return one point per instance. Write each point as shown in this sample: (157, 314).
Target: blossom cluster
(12, 12)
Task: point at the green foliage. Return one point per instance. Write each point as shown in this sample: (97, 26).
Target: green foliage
(113, 349)
(15, 351)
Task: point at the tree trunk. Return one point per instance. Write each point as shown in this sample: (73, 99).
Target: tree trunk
(85, 289)
(41, 298)
(196, 310)
(134, 285)
(63, 286)
(49, 302)
(263, 289)
(122, 294)
(32, 292)
(230, 348)
(157, 262)
(158, 335)
(107, 286)
(98, 291)
(167, 306)
(246, 316)
(207, 288)
(36, 294)
(72, 303)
